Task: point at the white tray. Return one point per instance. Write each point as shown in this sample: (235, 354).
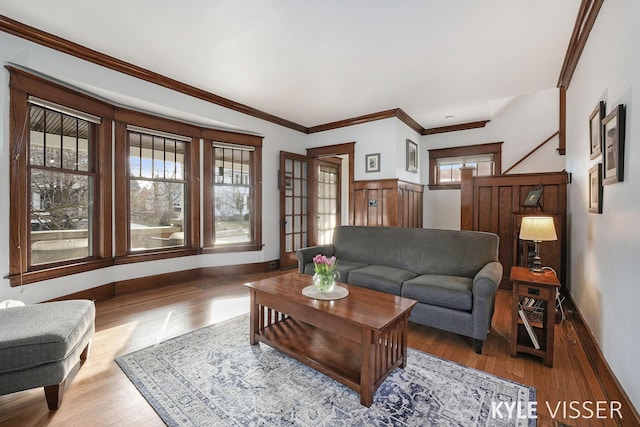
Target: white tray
(336, 293)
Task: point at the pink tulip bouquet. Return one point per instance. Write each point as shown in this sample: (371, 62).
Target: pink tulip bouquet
(324, 265)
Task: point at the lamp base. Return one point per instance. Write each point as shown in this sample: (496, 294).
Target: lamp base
(537, 262)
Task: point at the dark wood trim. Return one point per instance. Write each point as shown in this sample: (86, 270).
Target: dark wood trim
(494, 148)
(122, 118)
(22, 85)
(526, 156)
(455, 128)
(606, 378)
(562, 122)
(97, 294)
(232, 137)
(60, 44)
(156, 281)
(65, 46)
(111, 290)
(120, 188)
(154, 255)
(587, 15)
(231, 248)
(18, 203)
(337, 149)
(58, 271)
(380, 115)
(152, 122)
(208, 216)
(409, 121)
(331, 150)
(466, 198)
(542, 178)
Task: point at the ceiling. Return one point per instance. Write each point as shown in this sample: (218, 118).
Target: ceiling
(318, 62)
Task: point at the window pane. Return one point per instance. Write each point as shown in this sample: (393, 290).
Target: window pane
(60, 215)
(156, 214)
(232, 195)
(61, 201)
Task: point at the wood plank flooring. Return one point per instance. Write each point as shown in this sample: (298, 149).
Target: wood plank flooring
(99, 394)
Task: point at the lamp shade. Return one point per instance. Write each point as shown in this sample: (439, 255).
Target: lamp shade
(538, 229)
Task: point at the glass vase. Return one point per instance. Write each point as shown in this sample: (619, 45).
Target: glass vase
(325, 282)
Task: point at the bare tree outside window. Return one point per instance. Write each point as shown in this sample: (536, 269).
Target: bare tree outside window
(61, 186)
(156, 191)
(232, 195)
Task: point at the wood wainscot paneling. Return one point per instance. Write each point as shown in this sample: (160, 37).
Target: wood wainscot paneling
(387, 203)
(494, 204)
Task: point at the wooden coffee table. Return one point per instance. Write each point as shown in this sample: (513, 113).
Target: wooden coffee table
(357, 340)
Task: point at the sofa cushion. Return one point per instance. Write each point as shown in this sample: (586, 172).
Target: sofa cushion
(344, 267)
(37, 334)
(444, 291)
(380, 278)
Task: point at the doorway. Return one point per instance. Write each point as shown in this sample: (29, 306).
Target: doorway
(310, 198)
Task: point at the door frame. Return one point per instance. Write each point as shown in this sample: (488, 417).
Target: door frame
(348, 149)
(313, 194)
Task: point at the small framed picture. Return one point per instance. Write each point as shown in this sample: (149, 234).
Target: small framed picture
(595, 130)
(595, 189)
(373, 162)
(532, 199)
(613, 128)
(412, 156)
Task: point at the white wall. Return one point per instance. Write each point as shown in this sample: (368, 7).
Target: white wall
(372, 137)
(404, 132)
(522, 123)
(155, 99)
(604, 249)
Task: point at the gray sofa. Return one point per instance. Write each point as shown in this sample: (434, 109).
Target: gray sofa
(452, 274)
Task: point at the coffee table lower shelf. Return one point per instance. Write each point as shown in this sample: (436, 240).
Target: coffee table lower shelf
(316, 348)
(361, 366)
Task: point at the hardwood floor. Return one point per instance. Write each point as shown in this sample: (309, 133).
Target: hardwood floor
(99, 394)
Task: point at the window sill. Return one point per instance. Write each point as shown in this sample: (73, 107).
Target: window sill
(233, 248)
(58, 271)
(154, 255)
(444, 186)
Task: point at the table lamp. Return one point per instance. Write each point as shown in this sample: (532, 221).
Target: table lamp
(537, 229)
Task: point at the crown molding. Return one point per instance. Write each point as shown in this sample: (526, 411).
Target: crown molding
(455, 128)
(43, 38)
(380, 115)
(587, 15)
(68, 47)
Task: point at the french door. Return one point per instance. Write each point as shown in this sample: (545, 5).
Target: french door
(294, 207)
(309, 203)
(326, 201)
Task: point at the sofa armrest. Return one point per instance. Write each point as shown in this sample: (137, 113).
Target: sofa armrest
(305, 255)
(486, 281)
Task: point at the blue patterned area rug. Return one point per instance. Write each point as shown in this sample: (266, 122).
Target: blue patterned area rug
(214, 377)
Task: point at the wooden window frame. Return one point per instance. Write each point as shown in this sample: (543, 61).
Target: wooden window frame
(21, 86)
(494, 148)
(191, 229)
(210, 136)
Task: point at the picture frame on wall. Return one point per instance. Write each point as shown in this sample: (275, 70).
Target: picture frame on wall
(372, 162)
(532, 199)
(613, 149)
(595, 130)
(595, 189)
(412, 156)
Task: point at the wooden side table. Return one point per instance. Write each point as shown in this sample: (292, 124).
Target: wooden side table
(535, 294)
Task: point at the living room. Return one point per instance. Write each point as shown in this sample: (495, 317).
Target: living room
(600, 247)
